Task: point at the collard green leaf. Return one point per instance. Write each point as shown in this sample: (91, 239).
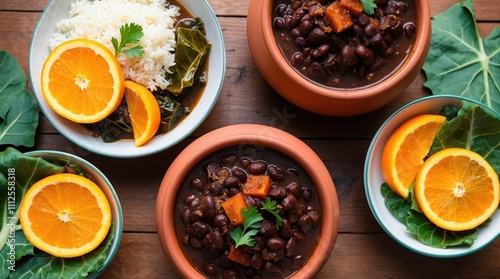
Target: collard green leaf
(474, 128)
(398, 206)
(190, 51)
(432, 235)
(18, 108)
(460, 62)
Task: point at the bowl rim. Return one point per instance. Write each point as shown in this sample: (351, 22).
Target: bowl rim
(423, 21)
(74, 132)
(393, 232)
(260, 135)
(86, 165)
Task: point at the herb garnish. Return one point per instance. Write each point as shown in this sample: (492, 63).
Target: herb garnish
(130, 34)
(369, 6)
(270, 206)
(251, 225)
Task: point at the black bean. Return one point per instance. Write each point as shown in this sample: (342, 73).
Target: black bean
(257, 168)
(301, 41)
(232, 182)
(316, 10)
(278, 192)
(318, 70)
(306, 194)
(208, 204)
(297, 262)
(241, 174)
(295, 5)
(273, 268)
(317, 36)
(409, 28)
(289, 202)
(274, 256)
(297, 16)
(212, 169)
(320, 51)
(214, 188)
(189, 199)
(197, 184)
(279, 23)
(297, 59)
(186, 215)
(305, 224)
(196, 215)
(199, 229)
(229, 159)
(295, 32)
(366, 54)
(281, 9)
(215, 239)
(233, 191)
(397, 28)
(245, 162)
(371, 30)
(314, 217)
(286, 229)
(230, 274)
(275, 243)
(210, 268)
(256, 261)
(363, 19)
(276, 173)
(224, 261)
(294, 188)
(348, 56)
(195, 242)
(288, 21)
(300, 236)
(220, 220)
(305, 27)
(290, 247)
(267, 228)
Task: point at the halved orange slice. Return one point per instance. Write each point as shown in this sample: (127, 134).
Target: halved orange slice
(405, 150)
(144, 112)
(457, 189)
(82, 81)
(65, 215)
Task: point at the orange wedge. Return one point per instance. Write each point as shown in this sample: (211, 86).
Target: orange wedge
(405, 150)
(457, 189)
(65, 215)
(143, 110)
(82, 81)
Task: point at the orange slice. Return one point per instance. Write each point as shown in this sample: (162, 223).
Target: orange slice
(65, 215)
(143, 110)
(82, 81)
(405, 150)
(457, 189)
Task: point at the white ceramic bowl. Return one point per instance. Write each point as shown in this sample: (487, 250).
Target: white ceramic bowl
(373, 180)
(102, 181)
(77, 133)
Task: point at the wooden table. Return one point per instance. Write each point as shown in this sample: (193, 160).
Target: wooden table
(362, 250)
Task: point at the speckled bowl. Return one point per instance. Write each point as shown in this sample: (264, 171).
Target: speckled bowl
(250, 134)
(326, 100)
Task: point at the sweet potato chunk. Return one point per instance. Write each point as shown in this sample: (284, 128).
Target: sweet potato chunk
(354, 6)
(233, 206)
(340, 18)
(257, 186)
(239, 256)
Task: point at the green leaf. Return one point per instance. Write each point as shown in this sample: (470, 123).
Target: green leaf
(190, 51)
(474, 128)
(18, 108)
(129, 34)
(251, 224)
(398, 206)
(270, 206)
(460, 62)
(433, 236)
(369, 6)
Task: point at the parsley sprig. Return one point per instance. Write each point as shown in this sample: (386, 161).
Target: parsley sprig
(130, 34)
(369, 6)
(270, 206)
(251, 225)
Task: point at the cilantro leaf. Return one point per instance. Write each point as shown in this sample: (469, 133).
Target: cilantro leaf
(460, 62)
(251, 225)
(270, 206)
(369, 6)
(130, 34)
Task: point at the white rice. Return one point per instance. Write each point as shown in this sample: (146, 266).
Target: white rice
(100, 20)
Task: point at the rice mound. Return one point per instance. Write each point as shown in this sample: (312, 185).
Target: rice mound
(100, 20)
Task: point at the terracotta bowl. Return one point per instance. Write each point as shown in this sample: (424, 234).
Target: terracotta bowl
(239, 135)
(327, 100)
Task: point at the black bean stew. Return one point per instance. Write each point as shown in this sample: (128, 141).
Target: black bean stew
(203, 225)
(337, 44)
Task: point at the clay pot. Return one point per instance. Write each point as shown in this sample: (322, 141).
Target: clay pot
(327, 100)
(244, 134)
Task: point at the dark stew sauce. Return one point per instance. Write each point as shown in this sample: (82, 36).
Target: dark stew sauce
(366, 49)
(203, 227)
